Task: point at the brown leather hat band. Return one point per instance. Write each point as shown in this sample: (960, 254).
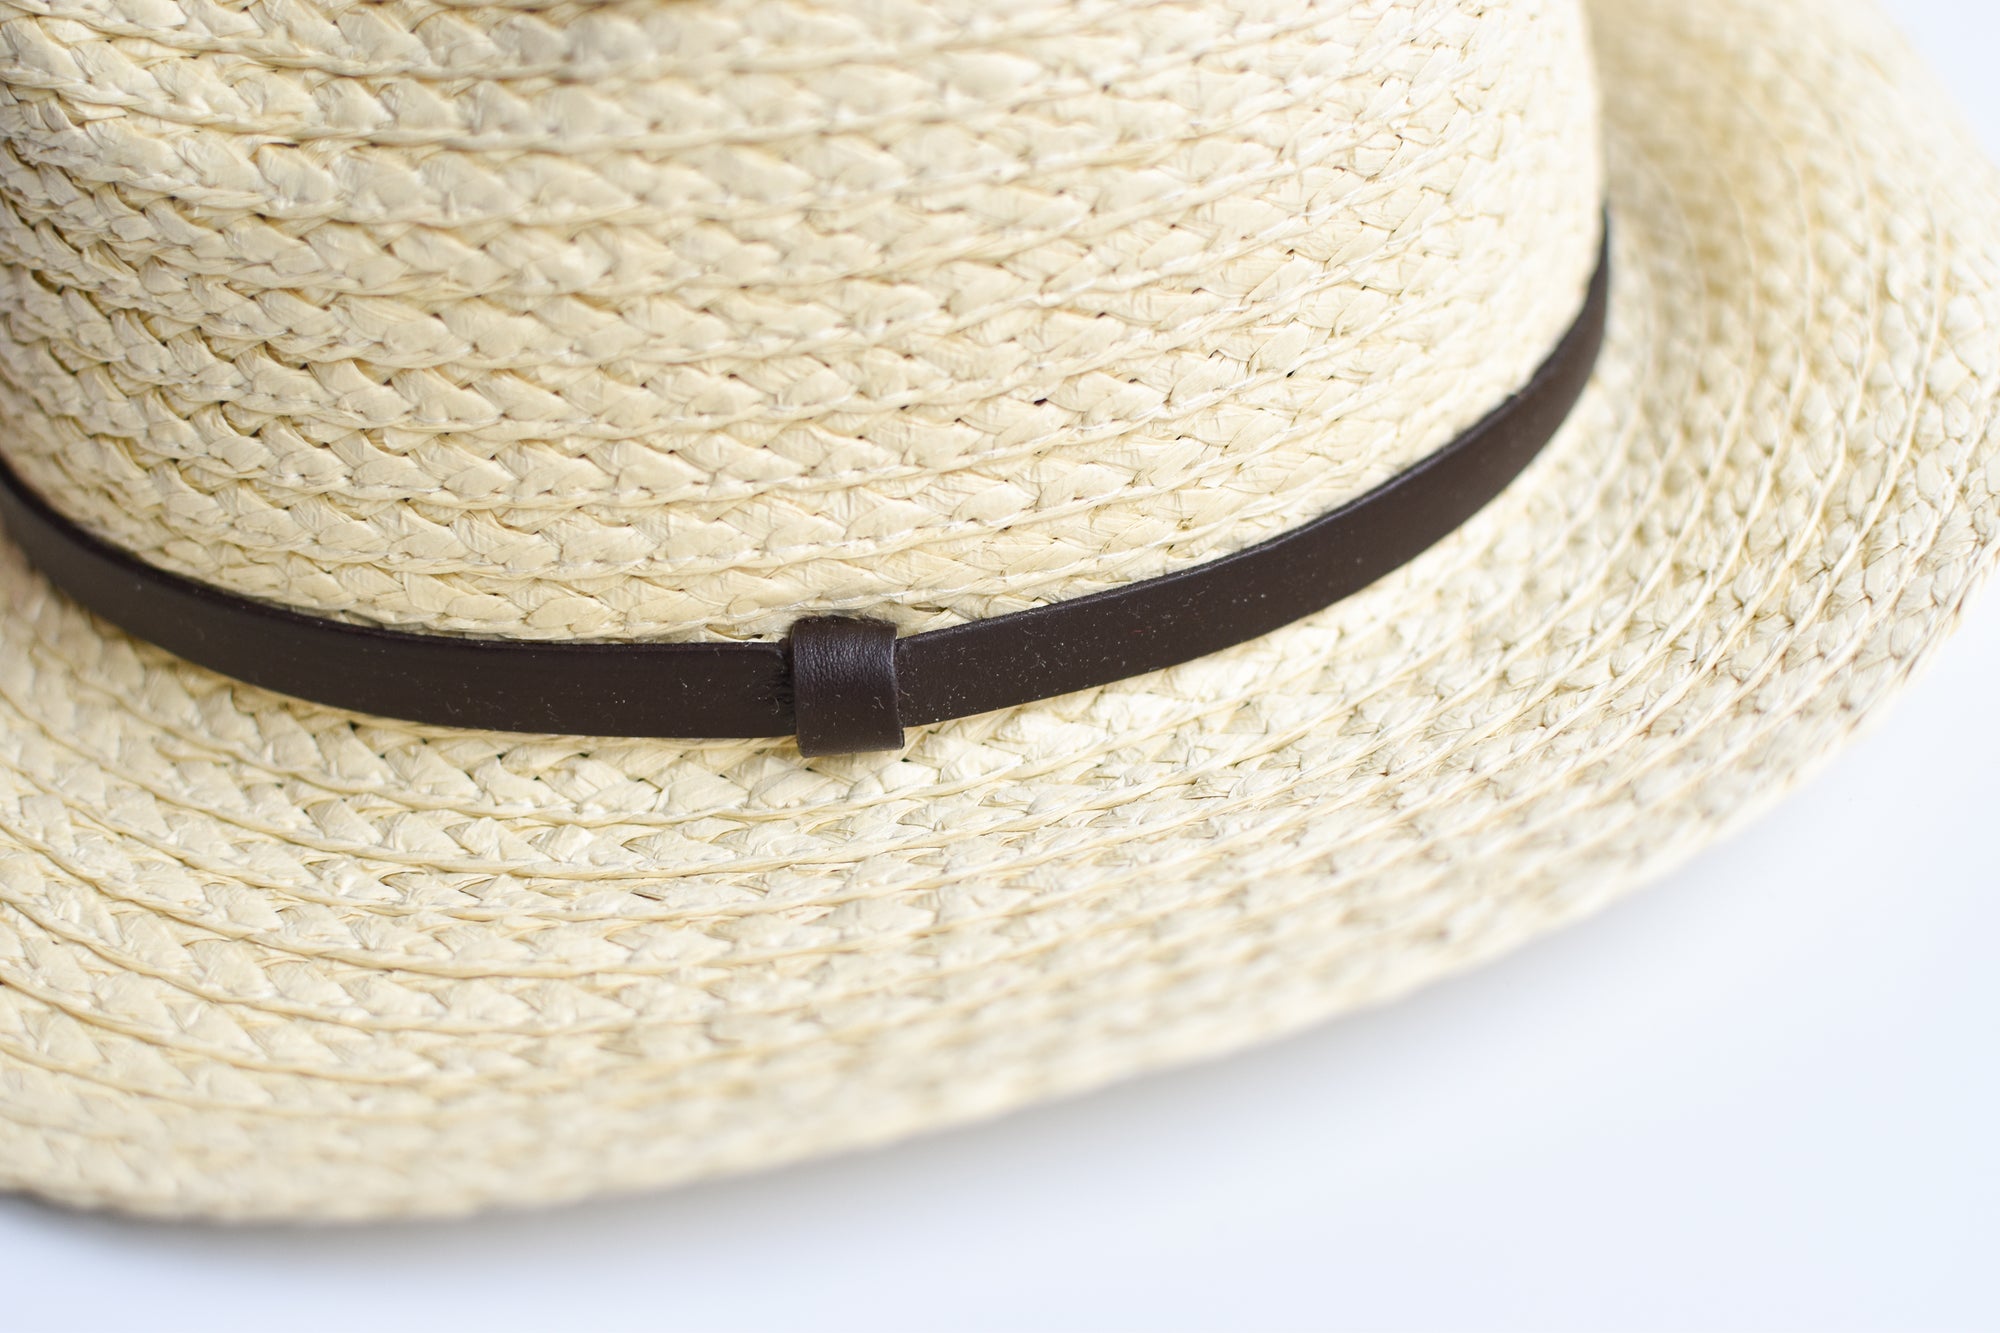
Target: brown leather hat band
(838, 684)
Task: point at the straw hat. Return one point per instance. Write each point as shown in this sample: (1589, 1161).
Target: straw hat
(686, 321)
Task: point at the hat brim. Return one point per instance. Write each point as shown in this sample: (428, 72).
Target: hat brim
(259, 958)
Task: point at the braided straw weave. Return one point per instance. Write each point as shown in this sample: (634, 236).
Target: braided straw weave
(671, 318)
(679, 317)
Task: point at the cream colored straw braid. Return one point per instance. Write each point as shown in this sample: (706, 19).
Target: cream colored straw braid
(670, 319)
(934, 308)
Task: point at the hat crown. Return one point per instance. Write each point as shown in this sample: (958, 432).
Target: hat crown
(683, 320)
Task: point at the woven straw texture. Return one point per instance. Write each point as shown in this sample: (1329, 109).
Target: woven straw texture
(910, 311)
(264, 959)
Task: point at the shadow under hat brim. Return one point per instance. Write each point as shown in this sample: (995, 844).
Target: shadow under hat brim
(259, 958)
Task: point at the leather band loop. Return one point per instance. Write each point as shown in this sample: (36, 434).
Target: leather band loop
(844, 685)
(701, 690)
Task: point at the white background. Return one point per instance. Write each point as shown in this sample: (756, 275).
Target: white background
(1761, 1094)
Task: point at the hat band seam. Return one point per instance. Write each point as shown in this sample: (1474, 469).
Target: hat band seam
(839, 684)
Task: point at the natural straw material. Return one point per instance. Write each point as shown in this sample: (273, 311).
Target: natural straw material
(928, 311)
(260, 958)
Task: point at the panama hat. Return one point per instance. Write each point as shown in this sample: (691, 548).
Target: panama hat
(601, 593)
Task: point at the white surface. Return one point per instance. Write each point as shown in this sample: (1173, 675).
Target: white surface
(1762, 1094)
